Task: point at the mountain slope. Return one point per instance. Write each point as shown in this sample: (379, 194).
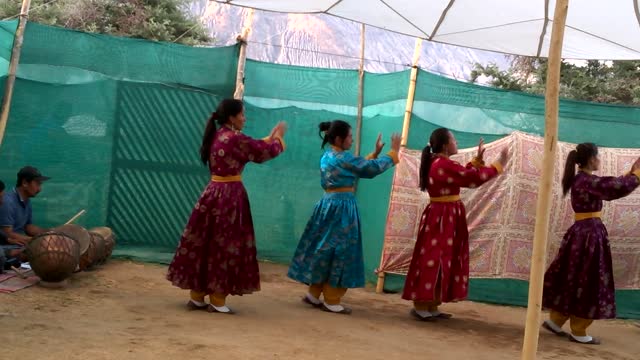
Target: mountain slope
(331, 42)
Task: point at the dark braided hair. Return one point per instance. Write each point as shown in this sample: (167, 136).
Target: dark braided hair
(580, 156)
(330, 130)
(226, 109)
(438, 140)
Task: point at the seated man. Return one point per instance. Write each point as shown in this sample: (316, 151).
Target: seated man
(4, 253)
(16, 214)
(8, 253)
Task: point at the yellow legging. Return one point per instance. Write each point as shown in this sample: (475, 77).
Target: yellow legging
(430, 306)
(215, 299)
(578, 325)
(332, 296)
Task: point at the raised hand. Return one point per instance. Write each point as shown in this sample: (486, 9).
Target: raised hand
(480, 153)
(273, 131)
(502, 159)
(395, 142)
(283, 128)
(636, 165)
(379, 144)
(279, 130)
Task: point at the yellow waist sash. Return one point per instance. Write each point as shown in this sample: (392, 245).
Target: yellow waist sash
(340, 190)
(233, 178)
(589, 215)
(445, 199)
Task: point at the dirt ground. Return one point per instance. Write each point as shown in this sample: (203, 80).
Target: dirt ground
(127, 310)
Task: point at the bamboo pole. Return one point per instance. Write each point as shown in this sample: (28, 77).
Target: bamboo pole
(360, 93)
(412, 90)
(534, 315)
(405, 131)
(380, 283)
(242, 57)
(13, 66)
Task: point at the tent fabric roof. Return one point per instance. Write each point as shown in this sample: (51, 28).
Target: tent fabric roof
(594, 30)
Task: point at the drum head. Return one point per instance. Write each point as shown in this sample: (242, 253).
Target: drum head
(77, 233)
(100, 249)
(88, 259)
(104, 231)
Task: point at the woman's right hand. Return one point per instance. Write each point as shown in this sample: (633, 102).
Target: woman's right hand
(279, 130)
(503, 158)
(481, 149)
(636, 165)
(396, 139)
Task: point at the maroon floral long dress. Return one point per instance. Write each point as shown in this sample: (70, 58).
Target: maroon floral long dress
(579, 281)
(217, 250)
(441, 253)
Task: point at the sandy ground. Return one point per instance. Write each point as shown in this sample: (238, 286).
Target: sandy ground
(127, 310)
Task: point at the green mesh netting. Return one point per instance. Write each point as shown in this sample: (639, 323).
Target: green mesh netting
(7, 29)
(117, 123)
(115, 130)
(473, 109)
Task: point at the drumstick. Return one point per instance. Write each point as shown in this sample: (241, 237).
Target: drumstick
(76, 216)
(17, 271)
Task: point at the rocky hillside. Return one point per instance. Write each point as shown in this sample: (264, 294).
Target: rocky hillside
(326, 41)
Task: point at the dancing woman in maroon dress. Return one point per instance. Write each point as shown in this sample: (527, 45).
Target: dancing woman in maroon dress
(217, 252)
(439, 270)
(578, 286)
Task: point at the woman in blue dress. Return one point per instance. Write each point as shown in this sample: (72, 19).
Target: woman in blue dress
(329, 255)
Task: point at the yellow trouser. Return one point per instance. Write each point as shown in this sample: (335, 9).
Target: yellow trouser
(430, 306)
(332, 296)
(215, 299)
(578, 325)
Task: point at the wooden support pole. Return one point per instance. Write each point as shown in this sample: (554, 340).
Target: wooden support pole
(360, 93)
(412, 90)
(534, 309)
(380, 283)
(242, 57)
(13, 67)
(405, 132)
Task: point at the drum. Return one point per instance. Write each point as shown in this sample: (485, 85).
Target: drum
(77, 233)
(89, 258)
(100, 251)
(109, 239)
(53, 256)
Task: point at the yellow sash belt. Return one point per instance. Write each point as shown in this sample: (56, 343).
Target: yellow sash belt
(232, 178)
(589, 215)
(445, 199)
(340, 190)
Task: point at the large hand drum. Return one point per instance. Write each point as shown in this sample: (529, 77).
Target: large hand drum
(89, 258)
(77, 233)
(95, 254)
(109, 239)
(53, 256)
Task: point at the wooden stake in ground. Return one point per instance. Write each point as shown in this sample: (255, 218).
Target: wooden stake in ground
(405, 128)
(242, 57)
(13, 67)
(360, 93)
(532, 327)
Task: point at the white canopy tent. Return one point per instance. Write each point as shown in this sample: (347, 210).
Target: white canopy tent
(590, 29)
(594, 29)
